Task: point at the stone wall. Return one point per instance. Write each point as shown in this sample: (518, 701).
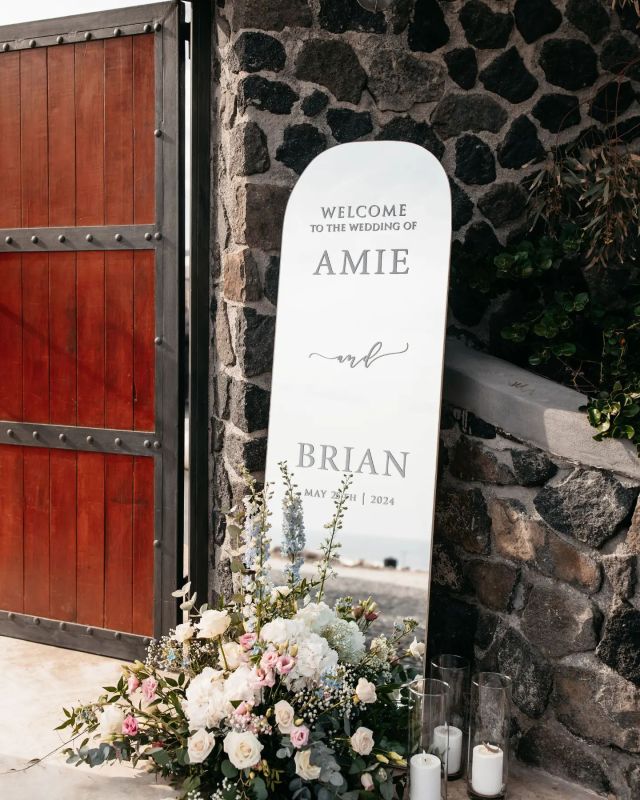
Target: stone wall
(535, 575)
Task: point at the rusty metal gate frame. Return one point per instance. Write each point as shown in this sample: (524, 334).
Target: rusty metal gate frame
(166, 444)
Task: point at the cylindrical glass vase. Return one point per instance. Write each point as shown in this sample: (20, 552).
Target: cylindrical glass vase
(455, 672)
(428, 739)
(489, 727)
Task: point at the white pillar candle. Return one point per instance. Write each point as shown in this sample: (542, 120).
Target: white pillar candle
(486, 770)
(454, 758)
(425, 779)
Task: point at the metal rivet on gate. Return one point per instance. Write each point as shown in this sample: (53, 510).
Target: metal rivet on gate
(35, 435)
(117, 31)
(89, 237)
(88, 35)
(89, 439)
(60, 39)
(118, 441)
(157, 133)
(89, 631)
(5, 47)
(118, 237)
(36, 620)
(148, 236)
(62, 238)
(8, 239)
(157, 27)
(63, 626)
(156, 542)
(146, 641)
(147, 443)
(156, 445)
(157, 236)
(117, 635)
(147, 28)
(63, 437)
(10, 433)
(158, 340)
(11, 615)
(34, 239)
(32, 43)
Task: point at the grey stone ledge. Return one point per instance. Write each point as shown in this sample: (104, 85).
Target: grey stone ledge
(531, 408)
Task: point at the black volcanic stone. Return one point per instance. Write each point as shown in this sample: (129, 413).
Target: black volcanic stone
(531, 674)
(457, 113)
(316, 102)
(272, 280)
(301, 144)
(555, 112)
(535, 18)
(474, 161)
(590, 17)
(347, 125)
(428, 31)
(618, 53)
(334, 64)
(484, 28)
(407, 129)
(569, 63)
(532, 467)
(521, 145)
(503, 203)
(461, 206)
(258, 51)
(452, 625)
(273, 96)
(627, 131)
(463, 66)
(628, 18)
(619, 647)
(339, 16)
(481, 241)
(612, 100)
(507, 76)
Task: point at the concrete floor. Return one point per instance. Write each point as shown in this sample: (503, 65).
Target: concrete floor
(38, 680)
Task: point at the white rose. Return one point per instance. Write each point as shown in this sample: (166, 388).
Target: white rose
(362, 741)
(234, 655)
(184, 632)
(280, 592)
(110, 721)
(304, 768)
(213, 624)
(200, 745)
(243, 749)
(366, 691)
(284, 716)
(367, 781)
(416, 648)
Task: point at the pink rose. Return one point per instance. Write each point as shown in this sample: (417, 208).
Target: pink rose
(130, 725)
(285, 665)
(149, 687)
(299, 736)
(133, 683)
(247, 640)
(266, 677)
(269, 659)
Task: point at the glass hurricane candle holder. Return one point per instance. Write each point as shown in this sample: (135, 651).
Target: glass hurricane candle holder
(455, 672)
(428, 739)
(490, 722)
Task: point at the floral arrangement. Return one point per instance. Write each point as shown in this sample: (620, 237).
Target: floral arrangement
(274, 694)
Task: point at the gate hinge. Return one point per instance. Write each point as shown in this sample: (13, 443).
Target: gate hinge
(185, 33)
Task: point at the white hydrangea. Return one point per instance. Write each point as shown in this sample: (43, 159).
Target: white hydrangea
(316, 617)
(206, 704)
(281, 630)
(314, 659)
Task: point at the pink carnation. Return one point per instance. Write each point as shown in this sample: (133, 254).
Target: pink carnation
(149, 687)
(133, 683)
(247, 640)
(130, 725)
(299, 736)
(269, 659)
(285, 664)
(266, 677)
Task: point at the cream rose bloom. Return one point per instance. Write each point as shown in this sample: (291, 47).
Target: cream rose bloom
(199, 745)
(366, 691)
(304, 768)
(243, 749)
(184, 632)
(110, 721)
(362, 741)
(284, 716)
(212, 624)
(234, 655)
(416, 648)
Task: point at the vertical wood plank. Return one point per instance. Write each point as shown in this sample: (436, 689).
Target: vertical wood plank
(119, 340)
(62, 338)
(11, 550)
(35, 336)
(143, 552)
(118, 543)
(91, 539)
(144, 124)
(11, 336)
(34, 147)
(143, 341)
(118, 177)
(36, 531)
(10, 161)
(91, 339)
(89, 70)
(62, 135)
(62, 535)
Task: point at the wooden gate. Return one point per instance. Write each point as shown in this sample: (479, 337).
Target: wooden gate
(91, 328)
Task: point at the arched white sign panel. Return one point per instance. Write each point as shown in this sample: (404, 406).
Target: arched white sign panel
(359, 345)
